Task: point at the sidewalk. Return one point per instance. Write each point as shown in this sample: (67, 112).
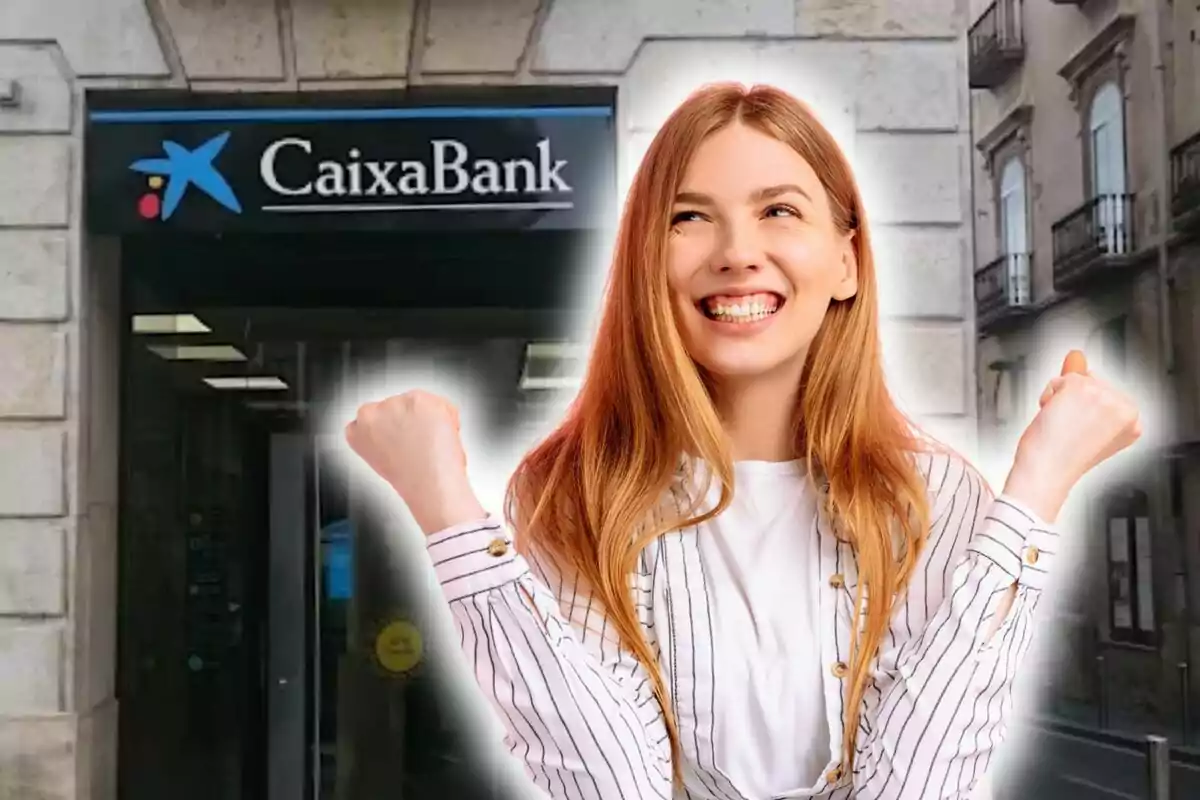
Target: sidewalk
(1120, 721)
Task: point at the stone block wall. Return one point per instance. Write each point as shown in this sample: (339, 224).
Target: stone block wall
(888, 77)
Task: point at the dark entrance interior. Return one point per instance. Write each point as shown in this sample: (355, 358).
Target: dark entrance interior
(253, 586)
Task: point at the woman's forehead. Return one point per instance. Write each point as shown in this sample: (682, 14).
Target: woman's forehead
(741, 161)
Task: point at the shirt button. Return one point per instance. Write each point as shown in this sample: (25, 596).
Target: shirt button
(498, 547)
(834, 775)
(1032, 555)
(839, 669)
(837, 581)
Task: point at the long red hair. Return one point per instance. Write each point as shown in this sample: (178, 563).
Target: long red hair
(588, 497)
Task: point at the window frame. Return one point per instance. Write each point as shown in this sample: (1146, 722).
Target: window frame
(1132, 506)
(1116, 118)
(1013, 161)
(1103, 60)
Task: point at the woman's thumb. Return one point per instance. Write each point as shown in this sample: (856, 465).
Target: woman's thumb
(1075, 361)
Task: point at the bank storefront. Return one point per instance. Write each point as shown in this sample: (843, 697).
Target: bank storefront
(274, 249)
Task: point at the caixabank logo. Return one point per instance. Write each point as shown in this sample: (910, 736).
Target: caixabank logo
(266, 169)
(171, 176)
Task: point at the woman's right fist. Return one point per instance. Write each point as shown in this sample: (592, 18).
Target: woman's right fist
(412, 441)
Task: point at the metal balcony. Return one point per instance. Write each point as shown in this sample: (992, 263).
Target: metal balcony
(996, 45)
(1185, 184)
(1003, 291)
(1093, 240)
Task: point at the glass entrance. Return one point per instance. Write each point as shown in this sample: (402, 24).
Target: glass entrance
(352, 706)
(353, 701)
(270, 645)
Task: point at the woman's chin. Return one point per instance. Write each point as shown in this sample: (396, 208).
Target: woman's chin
(743, 367)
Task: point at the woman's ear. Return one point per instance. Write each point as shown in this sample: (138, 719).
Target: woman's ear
(847, 285)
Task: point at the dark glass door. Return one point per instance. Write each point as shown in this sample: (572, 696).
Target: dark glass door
(272, 643)
(356, 709)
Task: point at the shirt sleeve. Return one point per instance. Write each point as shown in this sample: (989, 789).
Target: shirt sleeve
(946, 693)
(574, 714)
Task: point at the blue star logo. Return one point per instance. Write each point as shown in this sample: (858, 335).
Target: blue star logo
(184, 168)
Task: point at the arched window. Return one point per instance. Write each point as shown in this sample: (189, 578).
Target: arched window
(1014, 230)
(1106, 130)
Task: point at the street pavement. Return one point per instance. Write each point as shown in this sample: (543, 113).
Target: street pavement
(1061, 766)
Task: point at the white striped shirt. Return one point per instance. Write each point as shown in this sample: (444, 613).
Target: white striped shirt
(579, 713)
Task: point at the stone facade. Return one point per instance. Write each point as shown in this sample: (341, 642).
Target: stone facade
(1039, 113)
(890, 82)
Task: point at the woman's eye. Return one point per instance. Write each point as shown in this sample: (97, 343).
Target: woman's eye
(685, 216)
(781, 210)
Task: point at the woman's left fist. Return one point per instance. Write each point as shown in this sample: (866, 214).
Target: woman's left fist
(1082, 421)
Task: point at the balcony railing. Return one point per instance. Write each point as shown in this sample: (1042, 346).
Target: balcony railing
(1185, 184)
(996, 44)
(1002, 290)
(1098, 234)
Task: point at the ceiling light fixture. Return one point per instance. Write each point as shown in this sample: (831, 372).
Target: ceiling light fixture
(555, 350)
(248, 383)
(202, 352)
(534, 382)
(552, 365)
(169, 323)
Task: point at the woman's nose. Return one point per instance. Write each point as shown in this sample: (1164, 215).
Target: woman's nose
(739, 250)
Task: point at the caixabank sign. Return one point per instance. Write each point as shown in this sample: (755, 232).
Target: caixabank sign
(265, 164)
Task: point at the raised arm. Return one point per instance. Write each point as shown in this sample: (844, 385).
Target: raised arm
(573, 707)
(945, 693)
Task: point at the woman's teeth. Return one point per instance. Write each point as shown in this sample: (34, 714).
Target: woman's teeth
(741, 309)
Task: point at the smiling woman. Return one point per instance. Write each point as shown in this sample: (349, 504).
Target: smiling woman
(736, 316)
(850, 622)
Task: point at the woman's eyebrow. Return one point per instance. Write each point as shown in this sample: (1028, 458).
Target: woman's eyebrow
(757, 196)
(694, 198)
(768, 192)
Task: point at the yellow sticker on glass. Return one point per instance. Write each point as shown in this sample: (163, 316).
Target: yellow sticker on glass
(398, 647)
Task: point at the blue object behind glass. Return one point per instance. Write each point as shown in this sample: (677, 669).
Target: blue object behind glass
(337, 545)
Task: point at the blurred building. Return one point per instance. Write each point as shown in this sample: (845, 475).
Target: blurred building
(192, 604)
(1086, 126)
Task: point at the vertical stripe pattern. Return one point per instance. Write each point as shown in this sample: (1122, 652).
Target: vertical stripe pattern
(579, 713)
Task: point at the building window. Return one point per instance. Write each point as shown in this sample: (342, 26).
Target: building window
(1106, 143)
(1004, 283)
(1130, 569)
(1014, 229)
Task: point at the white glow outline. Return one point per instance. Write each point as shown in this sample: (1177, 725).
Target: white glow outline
(992, 458)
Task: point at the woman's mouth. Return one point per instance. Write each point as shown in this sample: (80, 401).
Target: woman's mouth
(735, 309)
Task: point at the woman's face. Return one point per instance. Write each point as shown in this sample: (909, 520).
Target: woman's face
(754, 258)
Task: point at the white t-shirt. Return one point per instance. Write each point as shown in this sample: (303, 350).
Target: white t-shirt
(760, 555)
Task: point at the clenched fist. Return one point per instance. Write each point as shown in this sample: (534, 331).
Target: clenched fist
(412, 441)
(1082, 422)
